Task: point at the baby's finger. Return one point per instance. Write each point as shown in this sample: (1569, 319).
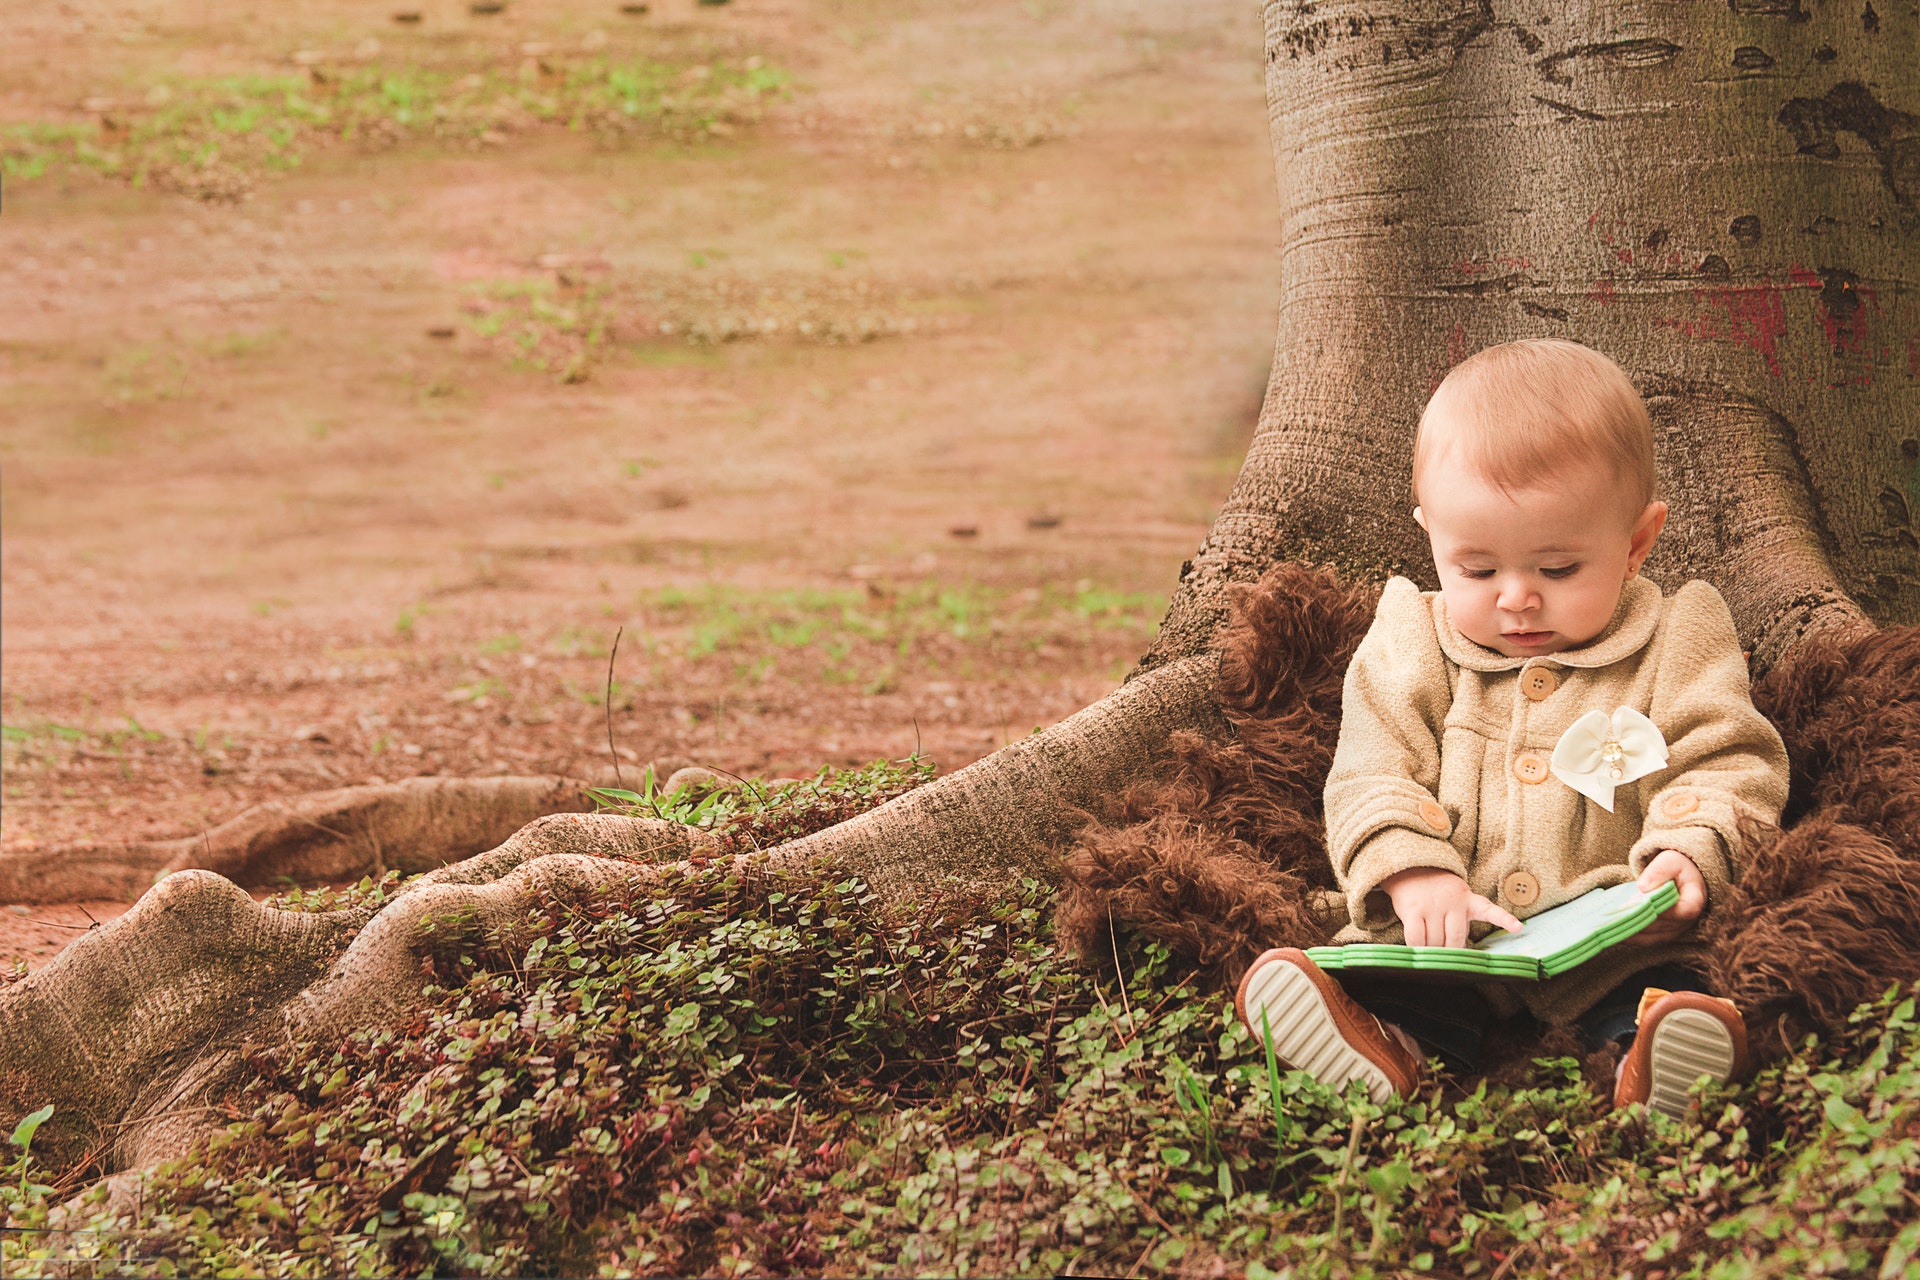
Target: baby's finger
(1456, 930)
(1479, 908)
(1417, 931)
(1666, 865)
(1693, 899)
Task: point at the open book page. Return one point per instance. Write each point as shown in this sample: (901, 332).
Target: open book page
(1552, 942)
(1568, 925)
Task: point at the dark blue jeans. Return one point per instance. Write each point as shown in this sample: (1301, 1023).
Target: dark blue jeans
(1452, 1021)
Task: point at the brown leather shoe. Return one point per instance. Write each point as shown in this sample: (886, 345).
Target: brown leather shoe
(1682, 1036)
(1317, 1028)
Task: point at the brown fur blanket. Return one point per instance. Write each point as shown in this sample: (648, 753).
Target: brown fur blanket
(1226, 855)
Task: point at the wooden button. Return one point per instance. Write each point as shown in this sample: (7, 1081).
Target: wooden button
(1530, 768)
(1679, 805)
(1434, 816)
(1538, 682)
(1521, 889)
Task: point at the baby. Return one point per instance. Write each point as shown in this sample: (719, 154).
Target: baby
(1462, 792)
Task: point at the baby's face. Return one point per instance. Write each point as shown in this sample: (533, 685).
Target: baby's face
(1537, 572)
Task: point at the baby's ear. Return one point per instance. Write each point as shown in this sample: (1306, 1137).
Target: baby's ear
(1420, 518)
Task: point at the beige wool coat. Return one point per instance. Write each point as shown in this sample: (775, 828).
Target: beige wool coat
(1443, 761)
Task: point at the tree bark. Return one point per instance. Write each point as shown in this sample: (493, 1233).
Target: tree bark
(1721, 197)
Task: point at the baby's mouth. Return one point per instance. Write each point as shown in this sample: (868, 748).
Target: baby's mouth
(1527, 637)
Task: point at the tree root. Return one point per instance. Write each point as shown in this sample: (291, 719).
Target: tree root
(407, 826)
(137, 1029)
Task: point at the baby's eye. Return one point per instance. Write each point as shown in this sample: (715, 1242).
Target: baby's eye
(1476, 574)
(1563, 571)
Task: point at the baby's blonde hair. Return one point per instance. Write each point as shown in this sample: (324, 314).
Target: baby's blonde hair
(1526, 411)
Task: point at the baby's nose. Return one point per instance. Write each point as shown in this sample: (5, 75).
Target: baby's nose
(1516, 597)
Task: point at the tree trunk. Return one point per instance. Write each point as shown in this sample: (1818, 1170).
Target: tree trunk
(1722, 198)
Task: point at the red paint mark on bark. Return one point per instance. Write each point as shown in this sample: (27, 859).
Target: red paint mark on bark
(1624, 255)
(1750, 316)
(1468, 267)
(1913, 357)
(1610, 231)
(1802, 277)
(1602, 292)
(1515, 264)
(1457, 345)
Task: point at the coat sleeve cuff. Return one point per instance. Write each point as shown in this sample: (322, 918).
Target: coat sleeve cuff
(1387, 853)
(1700, 845)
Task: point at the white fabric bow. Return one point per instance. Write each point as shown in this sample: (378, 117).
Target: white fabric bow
(1599, 752)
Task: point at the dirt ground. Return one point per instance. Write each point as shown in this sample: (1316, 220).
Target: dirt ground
(904, 403)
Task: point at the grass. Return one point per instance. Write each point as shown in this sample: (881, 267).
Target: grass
(212, 136)
(747, 1071)
(753, 815)
(43, 737)
(742, 1072)
(555, 329)
(867, 634)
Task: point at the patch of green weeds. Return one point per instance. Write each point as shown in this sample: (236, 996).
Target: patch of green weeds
(25, 1204)
(367, 894)
(866, 636)
(538, 324)
(618, 692)
(212, 136)
(1123, 609)
(573, 642)
(240, 345)
(751, 814)
(25, 742)
(745, 1068)
(479, 692)
(144, 375)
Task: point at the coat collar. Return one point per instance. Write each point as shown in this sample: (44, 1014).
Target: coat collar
(1631, 626)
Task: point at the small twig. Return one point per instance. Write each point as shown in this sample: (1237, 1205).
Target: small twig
(1125, 1040)
(611, 655)
(1124, 1002)
(748, 783)
(798, 1109)
(1340, 1182)
(54, 924)
(1513, 1256)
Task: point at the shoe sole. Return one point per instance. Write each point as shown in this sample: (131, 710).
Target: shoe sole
(1304, 1033)
(1687, 1044)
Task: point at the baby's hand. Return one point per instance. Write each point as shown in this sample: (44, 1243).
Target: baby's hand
(1671, 864)
(1437, 906)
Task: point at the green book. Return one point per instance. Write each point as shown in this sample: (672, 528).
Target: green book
(1553, 942)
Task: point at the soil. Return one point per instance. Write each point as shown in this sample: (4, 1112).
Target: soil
(279, 514)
